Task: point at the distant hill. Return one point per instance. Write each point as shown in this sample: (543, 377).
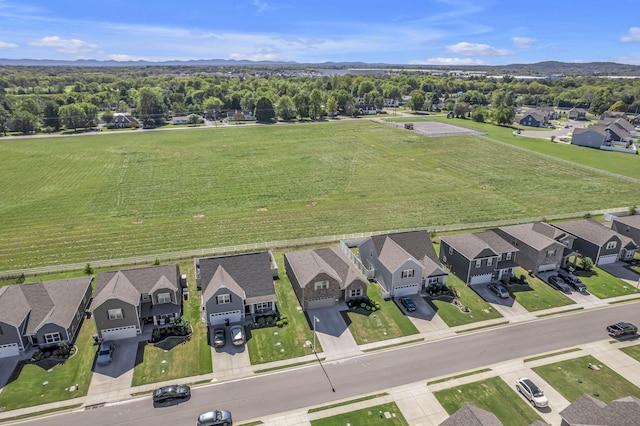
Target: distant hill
(539, 68)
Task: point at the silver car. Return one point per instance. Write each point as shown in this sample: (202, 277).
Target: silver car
(215, 418)
(532, 392)
(105, 353)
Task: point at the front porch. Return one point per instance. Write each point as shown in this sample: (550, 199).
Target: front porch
(164, 314)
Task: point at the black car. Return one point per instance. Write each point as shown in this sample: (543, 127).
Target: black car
(559, 284)
(621, 329)
(166, 393)
(573, 281)
(407, 302)
(219, 338)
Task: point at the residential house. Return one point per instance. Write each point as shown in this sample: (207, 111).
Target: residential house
(536, 251)
(468, 257)
(591, 137)
(470, 415)
(550, 111)
(506, 264)
(627, 226)
(42, 314)
(577, 114)
(590, 411)
(324, 277)
(180, 119)
(123, 121)
(403, 263)
(237, 287)
(609, 115)
(391, 103)
(128, 300)
(592, 239)
(534, 118)
(236, 115)
(366, 109)
(610, 135)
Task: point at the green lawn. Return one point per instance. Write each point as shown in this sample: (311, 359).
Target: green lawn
(369, 416)
(493, 395)
(275, 344)
(541, 296)
(452, 315)
(572, 378)
(387, 323)
(604, 285)
(115, 195)
(188, 359)
(28, 389)
(632, 351)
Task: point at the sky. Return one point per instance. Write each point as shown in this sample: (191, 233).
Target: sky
(418, 32)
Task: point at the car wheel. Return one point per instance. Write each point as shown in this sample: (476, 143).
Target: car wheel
(518, 388)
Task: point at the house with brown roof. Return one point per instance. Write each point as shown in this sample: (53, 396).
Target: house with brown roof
(237, 287)
(537, 252)
(128, 300)
(42, 314)
(589, 411)
(628, 226)
(324, 277)
(123, 121)
(402, 263)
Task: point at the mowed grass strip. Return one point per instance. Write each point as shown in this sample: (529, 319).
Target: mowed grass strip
(573, 377)
(540, 296)
(603, 285)
(452, 315)
(84, 198)
(29, 389)
(493, 395)
(370, 416)
(632, 351)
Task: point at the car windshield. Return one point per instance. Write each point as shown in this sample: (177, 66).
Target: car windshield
(104, 352)
(537, 393)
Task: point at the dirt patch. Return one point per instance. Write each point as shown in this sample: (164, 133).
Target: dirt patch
(198, 216)
(311, 204)
(262, 209)
(137, 222)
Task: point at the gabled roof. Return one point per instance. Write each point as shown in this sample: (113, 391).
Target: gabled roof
(496, 242)
(250, 271)
(66, 296)
(411, 244)
(222, 279)
(15, 306)
(600, 130)
(587, 410)
(548, 230)
(307, 264)
(632, 221)
(527, 235)
(588, 230)
(470, 415)
(469, 245)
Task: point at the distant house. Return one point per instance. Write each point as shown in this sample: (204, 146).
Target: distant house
(534, 118)
(550, 111)
(322, 278)
(237, 115)
(609, 115)
(610, 135)
(42, 314)
(127, 300)
(180, 119)
(366, 109)
(403, 263)
(123, 121)
(237, 287)
(391, 103)
(589, 411)
(577, 114)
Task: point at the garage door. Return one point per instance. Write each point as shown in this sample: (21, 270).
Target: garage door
(326, 302)
(220, 318)
(119, 333)
(480, 279)
(605, 260)
(547, 267)
(406, 290)
(9, 350)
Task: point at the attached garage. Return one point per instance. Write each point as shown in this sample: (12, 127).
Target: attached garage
(9, 350)
(480, 279)
(547, 267)
(325, 302)
(119, 333)
(606, 260)
(220, 318)
(406, 290)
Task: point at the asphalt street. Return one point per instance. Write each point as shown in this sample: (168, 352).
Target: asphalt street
(285, 390)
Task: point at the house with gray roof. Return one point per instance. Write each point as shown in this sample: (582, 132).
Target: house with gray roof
(403, 263)
(128, 300)
(42, 314)
(470, 415)
(611, 134)
(468, 257)
(534, 118)
(627, 226)
(537, 252)
(577, 114)
(237, 287)
(324, 277)
(602, 244)
(589, 411)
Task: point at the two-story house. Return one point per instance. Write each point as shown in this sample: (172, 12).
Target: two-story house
(536, 252)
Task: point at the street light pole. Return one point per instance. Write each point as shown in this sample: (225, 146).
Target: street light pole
(315, 319)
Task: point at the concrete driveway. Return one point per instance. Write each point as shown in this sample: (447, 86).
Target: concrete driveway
(619, 269)
(230, 361)
(508, 307)
(425, 317)
(332, 333)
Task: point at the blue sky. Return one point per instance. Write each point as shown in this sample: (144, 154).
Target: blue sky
(443, 32)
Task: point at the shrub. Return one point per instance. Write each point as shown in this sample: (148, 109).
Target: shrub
(363, 305)
(269, 319)
(88, 270)
(156, 333)
(280, 323)
(261, 320)
(284, 321)
(63, 348)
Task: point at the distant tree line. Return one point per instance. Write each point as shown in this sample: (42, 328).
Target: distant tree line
(48, 99)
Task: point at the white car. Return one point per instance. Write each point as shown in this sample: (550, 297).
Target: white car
(532, 392)
(237, 335)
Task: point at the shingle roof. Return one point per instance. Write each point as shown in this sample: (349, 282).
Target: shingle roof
(416, 244)
(528, 236)
(221, 278)
(587, 410)
(470, 415)
(588, 230)
(307, 264)
(496, 242)
(601, 130)
(469, 245)
(250, 271)
(15, 306)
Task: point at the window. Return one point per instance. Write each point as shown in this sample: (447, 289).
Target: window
(490, 261)
(407, 273)
(145, 297)
(1, 332)
(499, 257)
(478, 263)
(164, 298)
(321, 285)
(224, 299)
(115, 314)
(355, 292)
(450, 251)
(611, 245)
(262, 306)
(52, 337)
(509, 256)
(444, 258)
(551, 253)
(371, 253)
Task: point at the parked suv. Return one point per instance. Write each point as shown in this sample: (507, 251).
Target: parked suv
(105, 353)
(532, 392)
(559, 284)
(573, 281)
(621, 329)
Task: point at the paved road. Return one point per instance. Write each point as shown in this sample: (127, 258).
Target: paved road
(282, 391)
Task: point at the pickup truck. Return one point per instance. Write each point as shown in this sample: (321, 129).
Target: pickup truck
(621, 329)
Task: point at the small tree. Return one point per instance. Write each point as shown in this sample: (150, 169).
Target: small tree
(633, 210)
(88, 269)
(587, 264)
(193, 119)
(156, 262)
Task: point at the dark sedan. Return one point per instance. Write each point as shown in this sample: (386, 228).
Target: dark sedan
(408, 304)
(559, 284)
(167, 393)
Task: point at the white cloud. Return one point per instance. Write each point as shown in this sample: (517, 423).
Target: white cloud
(448, 61)
(123, 57)
(523, 42)
(631, 60)
(632, 36)
(474, 49)
(261, 5)
(5, 45)
(64, 45)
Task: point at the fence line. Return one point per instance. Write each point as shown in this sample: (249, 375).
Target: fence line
(281, 244)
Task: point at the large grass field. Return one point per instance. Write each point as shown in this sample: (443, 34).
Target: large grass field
(84, 198)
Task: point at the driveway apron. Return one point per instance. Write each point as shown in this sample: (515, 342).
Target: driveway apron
(333, 334)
